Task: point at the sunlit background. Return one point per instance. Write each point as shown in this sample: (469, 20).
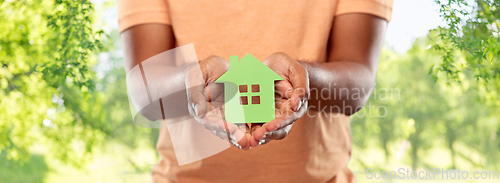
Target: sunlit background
(412, 120)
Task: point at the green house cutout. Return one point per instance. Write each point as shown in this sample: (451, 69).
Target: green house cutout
(248, 90)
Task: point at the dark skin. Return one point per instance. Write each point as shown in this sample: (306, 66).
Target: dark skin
(354, 49)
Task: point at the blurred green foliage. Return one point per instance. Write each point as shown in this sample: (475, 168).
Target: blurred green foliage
(409, 113)
(473, 28)
(57, 97)
(47, 50)
(48, 62)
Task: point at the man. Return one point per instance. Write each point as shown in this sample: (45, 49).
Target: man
(329, 46)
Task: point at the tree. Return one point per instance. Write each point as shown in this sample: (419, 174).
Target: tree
(473, 27)
(47, 51)
(425, 113)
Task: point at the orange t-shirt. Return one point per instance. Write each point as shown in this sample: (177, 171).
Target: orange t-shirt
(318, 147)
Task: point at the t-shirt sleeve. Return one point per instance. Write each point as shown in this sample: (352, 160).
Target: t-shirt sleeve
(136, 12)
(380, 8)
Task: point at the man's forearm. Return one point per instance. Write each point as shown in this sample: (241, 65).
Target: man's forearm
(341, 86)
(149, 85)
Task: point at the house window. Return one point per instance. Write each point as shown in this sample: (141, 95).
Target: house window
(244, 100)
(255, 99)
(255, 88)
(243, 88)
(245, 95)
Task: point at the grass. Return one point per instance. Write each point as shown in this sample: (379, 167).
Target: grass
(110, 163)
(436, 157)
(35, 170)
(116, 162)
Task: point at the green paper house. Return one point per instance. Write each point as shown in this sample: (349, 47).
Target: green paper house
(248, 90)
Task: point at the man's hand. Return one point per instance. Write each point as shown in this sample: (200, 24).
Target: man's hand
(206, 101)
(291, 99)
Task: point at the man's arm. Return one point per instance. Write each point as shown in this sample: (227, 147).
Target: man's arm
(349, 73)
(144, 41)
(354, 50)
(140, 43)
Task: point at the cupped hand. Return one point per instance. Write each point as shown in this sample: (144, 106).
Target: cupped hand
(291, 99)
(206, 101)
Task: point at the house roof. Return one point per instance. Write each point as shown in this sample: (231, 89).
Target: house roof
(247, 70)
